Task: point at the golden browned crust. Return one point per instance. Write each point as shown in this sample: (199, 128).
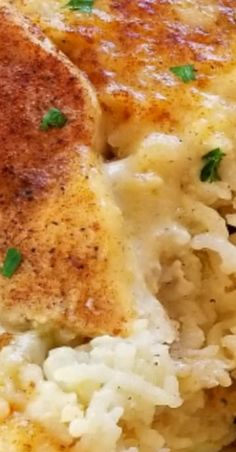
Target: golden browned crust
(54, 204)
(17, 434)
(5, 339)
(128, 48)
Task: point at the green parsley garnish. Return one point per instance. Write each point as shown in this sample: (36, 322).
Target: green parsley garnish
(11, 262)
(186, 73)
(53, 118)
(80, 5)
(212, 159)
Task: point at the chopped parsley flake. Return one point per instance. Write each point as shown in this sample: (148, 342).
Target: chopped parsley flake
(212, 159)
(186, 73)
(11, 262)
(53, 118)
(84, 6)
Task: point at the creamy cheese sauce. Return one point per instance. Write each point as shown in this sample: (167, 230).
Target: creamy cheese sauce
(170, 385)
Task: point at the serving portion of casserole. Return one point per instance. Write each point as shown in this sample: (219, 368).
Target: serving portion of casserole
(118, 225)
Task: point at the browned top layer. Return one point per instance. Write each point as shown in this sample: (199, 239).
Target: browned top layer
(128, 47)
(54, 205)
(18, 434)
(33, 80)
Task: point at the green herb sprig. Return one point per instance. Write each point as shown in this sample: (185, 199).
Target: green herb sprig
(11, 262)
(212, 160)
(53, 118)
(186, 73)
(85, 6)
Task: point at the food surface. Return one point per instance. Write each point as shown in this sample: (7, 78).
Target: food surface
(159, 166)
(56, 206)
(127, 49)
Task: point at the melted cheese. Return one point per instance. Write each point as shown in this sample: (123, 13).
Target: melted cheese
(127, 49)
(176, 224)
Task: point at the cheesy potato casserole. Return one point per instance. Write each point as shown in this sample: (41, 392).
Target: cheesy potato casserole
(118, 225)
